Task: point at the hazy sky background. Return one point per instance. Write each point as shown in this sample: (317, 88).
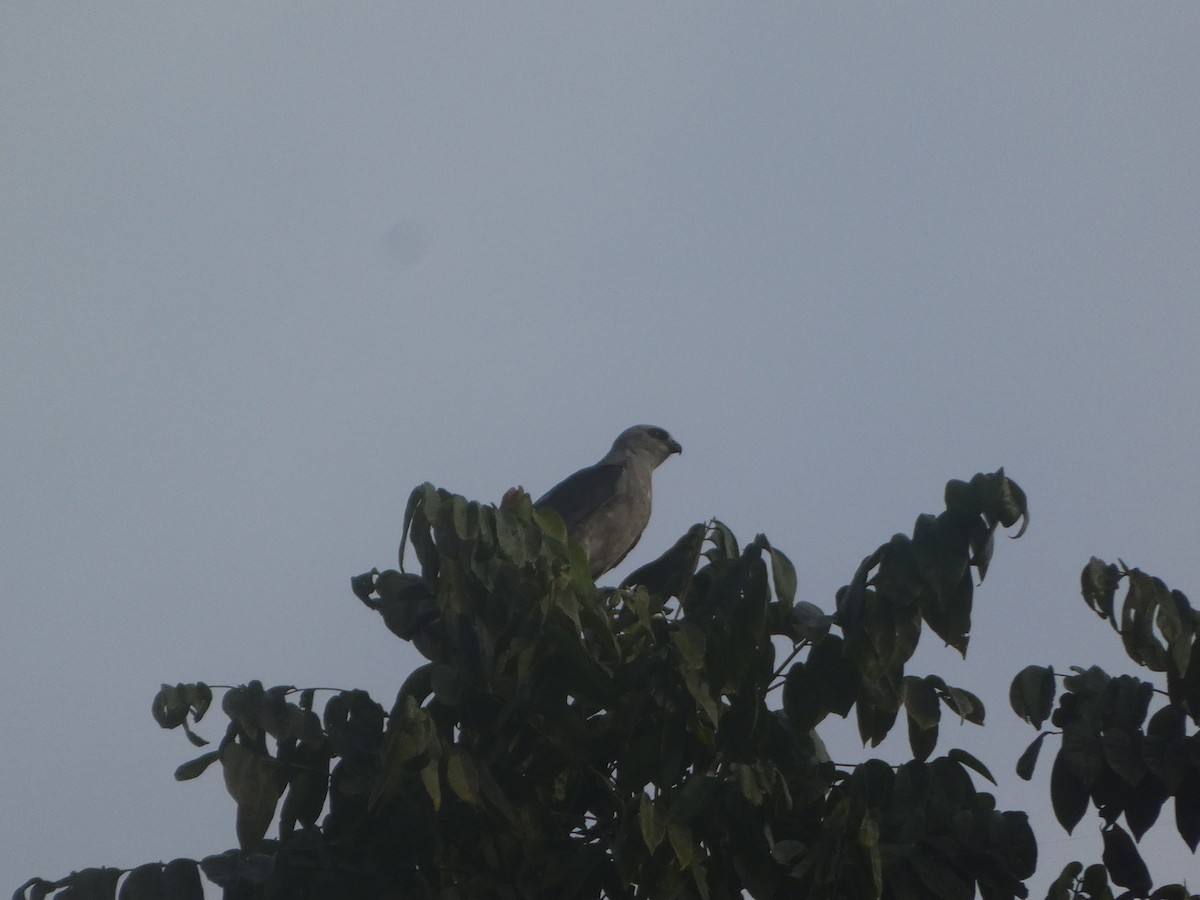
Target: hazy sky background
(265, 268)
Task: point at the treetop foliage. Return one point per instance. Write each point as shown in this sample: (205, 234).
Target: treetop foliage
(661, 739)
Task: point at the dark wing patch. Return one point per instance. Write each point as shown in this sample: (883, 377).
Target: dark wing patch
(577, 496)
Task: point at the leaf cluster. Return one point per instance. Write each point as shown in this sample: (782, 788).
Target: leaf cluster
(1115, 755)
(909, 581)
(566, 740)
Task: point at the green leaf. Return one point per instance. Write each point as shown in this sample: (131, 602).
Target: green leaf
(255, 782)
(417, 517)
(1031, 694)
(551, 524)
(690, 641)
(783, 574)
(432, 781)
(462, 777)
(724, 543)
(653, 822)
(683, 844)
(966, 704)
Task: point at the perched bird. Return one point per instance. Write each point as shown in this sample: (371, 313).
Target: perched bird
(606, 506)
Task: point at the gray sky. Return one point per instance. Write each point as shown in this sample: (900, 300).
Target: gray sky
(265, 268)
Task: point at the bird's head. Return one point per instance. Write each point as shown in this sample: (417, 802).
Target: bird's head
(647, 441)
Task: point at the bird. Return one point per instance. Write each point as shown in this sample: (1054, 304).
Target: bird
(606, 506)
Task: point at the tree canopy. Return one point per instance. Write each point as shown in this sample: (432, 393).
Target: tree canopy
(662, 739)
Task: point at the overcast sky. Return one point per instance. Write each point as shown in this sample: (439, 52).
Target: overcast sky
(265, 268)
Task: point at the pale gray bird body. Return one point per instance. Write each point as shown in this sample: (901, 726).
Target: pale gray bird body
(606, 506)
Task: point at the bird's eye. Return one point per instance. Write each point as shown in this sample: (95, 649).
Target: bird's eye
(658, 434)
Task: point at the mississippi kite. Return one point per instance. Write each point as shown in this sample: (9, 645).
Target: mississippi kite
(606, 506)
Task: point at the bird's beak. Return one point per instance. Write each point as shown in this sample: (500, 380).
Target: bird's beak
(674, 447)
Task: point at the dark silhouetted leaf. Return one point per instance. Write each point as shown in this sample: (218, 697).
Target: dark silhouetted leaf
(233, 868)
(966, 759)
(1028, 759)
(809, 621)
(1128, 701)
(921, 701)
(34, 889)
(1003, 500)
(1068, 795)
(1187, 808)
(922, 741)
(196, 767)
(1124, 864)
(1172, 892)
(93, 884)
(142, 883)
(1095, 882)
(181, 880)
(835, 675)
(801, 698)
(363, 586)
(1142, 600)
(1123, 755)
(1143, 804)
(169, 708)
(1099, 582)
(1031, 694)
(668, 576)
(942, 880)
(255, 782)
(1062, 887)
(697, 795)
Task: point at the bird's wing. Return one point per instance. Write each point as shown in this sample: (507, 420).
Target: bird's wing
(578, 496)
